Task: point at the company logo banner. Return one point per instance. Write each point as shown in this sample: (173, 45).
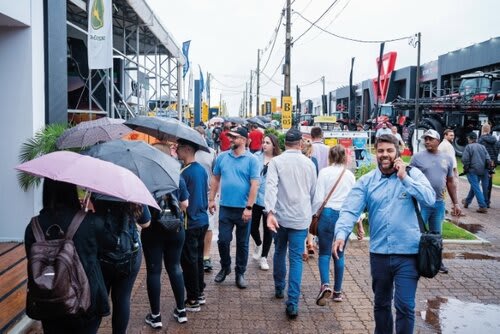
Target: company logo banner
(185, 52)
(100, 34)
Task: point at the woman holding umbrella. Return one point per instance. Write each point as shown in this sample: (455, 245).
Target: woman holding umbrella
(60, 205)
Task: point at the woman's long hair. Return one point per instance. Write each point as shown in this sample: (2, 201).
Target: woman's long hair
(337, 155)
(276, 145)
(57, 194)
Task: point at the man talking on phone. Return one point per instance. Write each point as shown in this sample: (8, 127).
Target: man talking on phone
(394, 232)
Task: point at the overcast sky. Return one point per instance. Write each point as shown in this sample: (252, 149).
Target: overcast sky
(225, 36)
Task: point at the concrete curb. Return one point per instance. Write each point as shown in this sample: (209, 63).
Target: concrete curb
(22, 326)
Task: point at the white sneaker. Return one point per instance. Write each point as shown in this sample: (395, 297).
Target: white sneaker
(257, 252)
(263, 264)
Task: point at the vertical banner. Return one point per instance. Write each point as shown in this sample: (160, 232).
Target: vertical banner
(185, 52)
(100, 34)
(352, 93)
(273, 104)
(202, 82)
(286, 113)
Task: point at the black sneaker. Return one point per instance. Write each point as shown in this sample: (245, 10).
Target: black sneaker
(292, 311)
(201, 299)
(192, 306)
(180, 315)
(443, 269)
(279, 293)
(324, 293)
(154, 322)
(207, 265)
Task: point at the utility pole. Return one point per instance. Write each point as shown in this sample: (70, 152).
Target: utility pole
(299, 107)
(246, 100)
(323, 81)
(257, 97)
(323, 98)
(288, 45)
(417, 111)
(250, 96)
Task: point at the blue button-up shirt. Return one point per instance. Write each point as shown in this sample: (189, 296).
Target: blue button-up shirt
(393, 222)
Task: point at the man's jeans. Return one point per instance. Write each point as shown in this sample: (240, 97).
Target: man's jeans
(192, 261)
(396, 273)
(326, 229)
(228, 219)
(295, 240)
(434, 215)
(475, 190)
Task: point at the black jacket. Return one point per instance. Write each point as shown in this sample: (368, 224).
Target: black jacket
(491, 145)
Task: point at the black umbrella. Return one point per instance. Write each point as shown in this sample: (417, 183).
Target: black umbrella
(167, 129)
(264, 119)
(256, 121)
(158, 171)
(236, 120)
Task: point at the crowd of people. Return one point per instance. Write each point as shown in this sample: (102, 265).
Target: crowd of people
(254, 187)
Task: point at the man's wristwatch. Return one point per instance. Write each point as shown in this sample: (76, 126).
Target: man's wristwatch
(248, 207)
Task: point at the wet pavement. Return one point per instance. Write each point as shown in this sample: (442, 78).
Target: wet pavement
(464, 301)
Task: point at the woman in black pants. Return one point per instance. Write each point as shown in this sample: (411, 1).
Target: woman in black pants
(120, 279)
(270, 149)
(157, 245)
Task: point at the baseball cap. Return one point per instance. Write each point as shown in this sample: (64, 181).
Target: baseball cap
(432, 134)
(472, 135)
(239, 132)
(293, 135)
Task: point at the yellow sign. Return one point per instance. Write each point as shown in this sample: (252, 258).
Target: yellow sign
(286, 113)
(331, 142)
(204, 112)
(273, 104)
(325, 119)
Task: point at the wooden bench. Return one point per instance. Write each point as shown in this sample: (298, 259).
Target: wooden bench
(13, 278)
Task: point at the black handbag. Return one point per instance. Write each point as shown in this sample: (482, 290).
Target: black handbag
(430, 248)
(170, 217)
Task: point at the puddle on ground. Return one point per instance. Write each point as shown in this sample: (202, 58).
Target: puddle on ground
(448, 315)
(469, 256)
(472, 228)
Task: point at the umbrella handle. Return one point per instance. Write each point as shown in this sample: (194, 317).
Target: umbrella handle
(86, 200)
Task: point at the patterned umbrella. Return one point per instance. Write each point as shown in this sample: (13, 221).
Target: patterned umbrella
(88, 133)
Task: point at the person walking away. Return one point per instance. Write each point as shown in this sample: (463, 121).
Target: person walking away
(256, 138)
(225, 141)
(207, 160)
(475, 159)
(438, 169)
(216, 137)
(290, 186)
(237, 173)
(60, 205)
(492, 146)
(207, 135)
(196, 179)
(394, 232)
(165, 246)
(447, 148)
(270, 149)
(326, 225)
(320, 150)
(120, 266)
(395, 133)
(307, 150)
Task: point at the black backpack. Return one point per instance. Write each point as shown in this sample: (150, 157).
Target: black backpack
(57, 283)
(170, 217)
(216, 134)
(121, 247)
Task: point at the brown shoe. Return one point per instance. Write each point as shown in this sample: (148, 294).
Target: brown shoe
(464, 203)
(482, 210)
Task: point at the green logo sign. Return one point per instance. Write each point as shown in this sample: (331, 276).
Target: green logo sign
(97, 14)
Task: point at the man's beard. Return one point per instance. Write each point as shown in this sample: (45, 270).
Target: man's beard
(234, 146)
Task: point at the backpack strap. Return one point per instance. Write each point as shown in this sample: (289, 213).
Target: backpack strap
(75, 224)
(37, 230)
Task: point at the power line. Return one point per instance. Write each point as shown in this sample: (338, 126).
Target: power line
(352, 39)
(314, 23)
(223, 84)
(274, 73)
(268, 77)
(276, 31)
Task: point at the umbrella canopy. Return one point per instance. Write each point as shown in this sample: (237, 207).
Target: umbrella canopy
(216, 119)
(237, 120)
(89, 133)
(264, 119)
(92, 174)
(167, 129)
(159, 172)
(257, 121)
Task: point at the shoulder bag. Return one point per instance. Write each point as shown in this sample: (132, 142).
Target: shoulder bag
(313, 227)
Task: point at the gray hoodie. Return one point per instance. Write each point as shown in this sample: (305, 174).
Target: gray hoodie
(491, 144)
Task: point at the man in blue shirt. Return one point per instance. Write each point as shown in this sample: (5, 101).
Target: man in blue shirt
(196, 224)
(237, 172)
(394, 232)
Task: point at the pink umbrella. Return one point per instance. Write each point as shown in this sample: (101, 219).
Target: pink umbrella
(92, 174)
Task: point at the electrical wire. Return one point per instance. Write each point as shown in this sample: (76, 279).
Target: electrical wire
(313, 24)
(276, 31)
(308, 84)
(268, 77)
(223, 84)
(274, 73)
(349, 38)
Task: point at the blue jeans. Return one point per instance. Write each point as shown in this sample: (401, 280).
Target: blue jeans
(434, 215)
(326, 229)
(295, 241)
(394, 275)
(228, 219)
(475, 190)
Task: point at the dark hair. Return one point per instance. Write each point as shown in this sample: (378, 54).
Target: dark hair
(276, 145)
(316, 132)
(388, 139)
(118, 209)
(187, 143)
(57, 194)
(447, 131)
(336, 155)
